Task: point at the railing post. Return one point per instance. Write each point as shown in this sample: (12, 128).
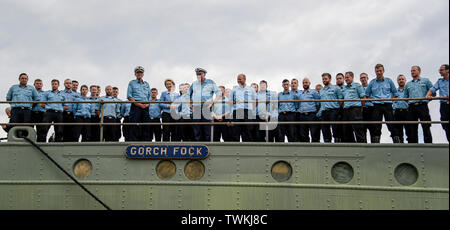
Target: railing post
(101, 121)
(212, 130)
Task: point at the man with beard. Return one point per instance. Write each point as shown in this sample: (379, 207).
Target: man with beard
(353, 110)
(401, 109)
(95, 118)
(287, 111)
(418, 87)
(37, 113)
(243, 111)
(340, 116)
(53, 111)
(68, 116)
(382, 88)
(82, 112)
(110, 112)
(294, 89)
(307, 112)
(442, 86)
(329, 110)
(201, 94)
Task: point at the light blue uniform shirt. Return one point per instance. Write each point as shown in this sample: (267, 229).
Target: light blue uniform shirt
(70, 96)
(222, 106)
(18, 93)
(125, 109)
(155, 109)
(287, 106)
(183, 109)
(419, 88)
(333, 92)
(120, 108)
(442, 86)
(139, 91)
(381, 90)
(263, 97)
(166, 96)
(37, 107)
(368, 103)
(54, 96)
(400, 104)
(246, 93)
(308, 107)
(111, 109)
(203, 92)
(94, 106)
(82, 109)
(353, 91)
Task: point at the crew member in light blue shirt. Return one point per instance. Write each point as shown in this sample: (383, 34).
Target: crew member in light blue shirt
(329, 109)
(418, 87)
(117, 128)
(368, 106)
(37, 113)
(139, 90)
(307, 112)
(287, 112)
(110, 112)
(266, 110)
(183, 112)
(244, 99)
(82, 114)
(53, 111)
(155, 111)
(203, 91)
(68, 117)
(353, 110)
(382, 88)
(401, 109)
(125, 113)
(95, 118)
(442, 86)
(21, 113)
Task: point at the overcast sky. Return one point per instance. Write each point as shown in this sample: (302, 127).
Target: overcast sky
(100, 42)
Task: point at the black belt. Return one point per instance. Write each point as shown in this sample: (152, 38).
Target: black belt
(352, 107)
(384, 103)
(53, 111)
(286, 113)
(154, 118)
(109, 117)
(400, 110)
(326, 110)
(306, 114)
(22, 108)
(84, 117)
(418, 103)
(68, 113)
(38, 112)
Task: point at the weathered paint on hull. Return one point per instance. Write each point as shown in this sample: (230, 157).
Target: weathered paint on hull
(237, 176)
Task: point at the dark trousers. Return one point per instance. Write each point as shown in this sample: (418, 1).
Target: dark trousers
(117, 130)
(339, 131)
(20, 115)
(329, 115)
(95, 129)
(286, 130)
(244, 131)
(68, 134)
(261, 131)
(305, 129)
(109, 133)
(154, 130)
(221, 131)
(419, 111)
(444, 117)
(38, 117)
(126, 129)
(83, 130)
(185, 132)
(201, 132)
(367, 116)
(380, 110)
(55, 117)
(354, 130)
(401, 115)
(169, 132)
(138, 115)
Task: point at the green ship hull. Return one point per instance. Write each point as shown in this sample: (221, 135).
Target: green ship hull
(247, 176)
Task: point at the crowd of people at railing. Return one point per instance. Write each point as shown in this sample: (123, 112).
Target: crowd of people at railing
(204, 101)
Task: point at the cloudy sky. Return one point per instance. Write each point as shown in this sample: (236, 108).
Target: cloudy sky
(100, 42)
